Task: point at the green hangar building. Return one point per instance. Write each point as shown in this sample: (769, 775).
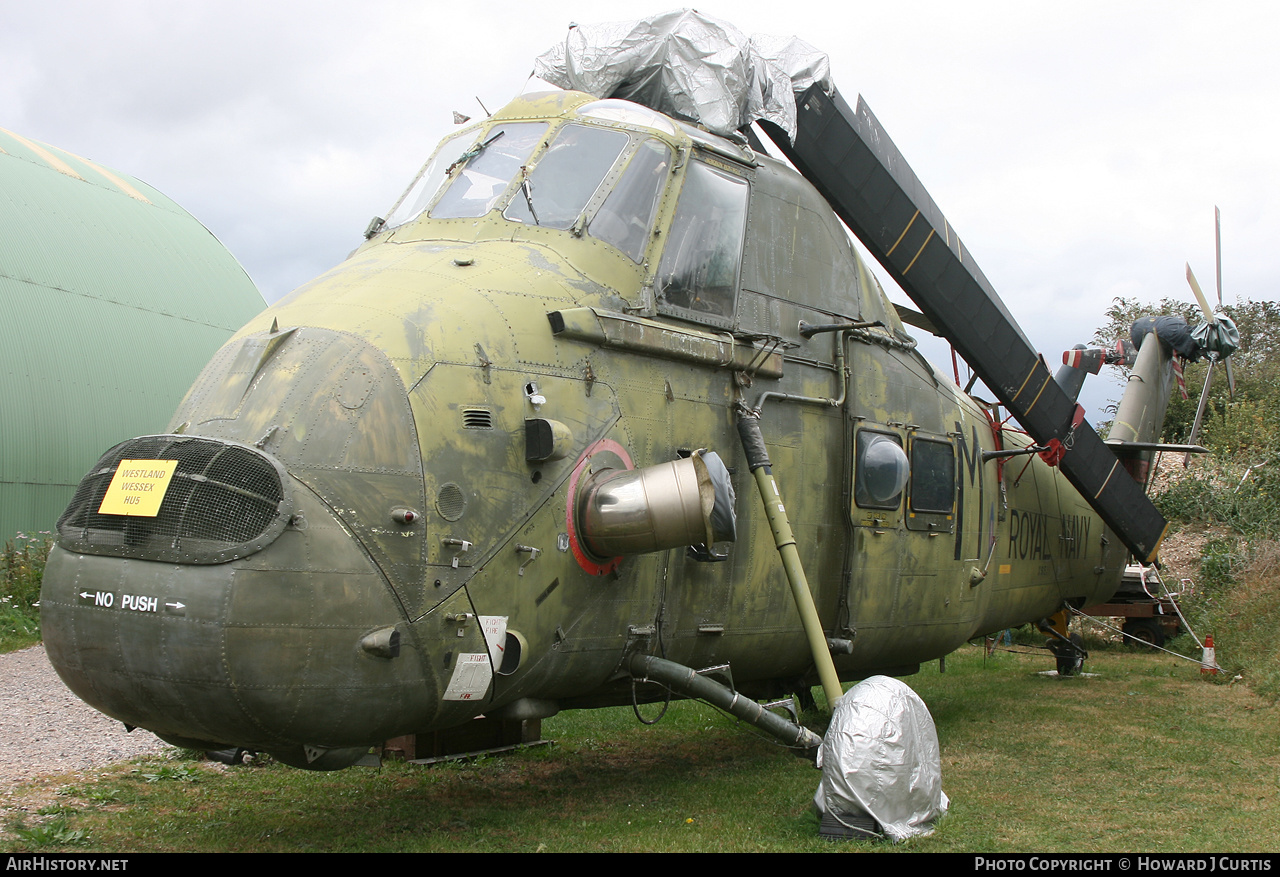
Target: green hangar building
(112, 298)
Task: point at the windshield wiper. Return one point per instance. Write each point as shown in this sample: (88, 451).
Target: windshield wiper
(528, 194)
(472, 153)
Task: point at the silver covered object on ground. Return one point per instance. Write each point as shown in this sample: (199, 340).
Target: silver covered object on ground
(689, 65)
(880, 756)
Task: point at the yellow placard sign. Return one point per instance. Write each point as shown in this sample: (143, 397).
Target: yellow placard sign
(137, 488)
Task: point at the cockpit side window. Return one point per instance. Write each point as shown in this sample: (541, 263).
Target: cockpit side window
(566, 177)
(703, 253)
(427, 184)
(626, 217)
(481, 174)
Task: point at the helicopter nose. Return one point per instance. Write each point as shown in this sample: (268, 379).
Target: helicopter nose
(295, 642)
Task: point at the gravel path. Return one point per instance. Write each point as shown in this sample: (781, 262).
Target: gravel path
(44, 728)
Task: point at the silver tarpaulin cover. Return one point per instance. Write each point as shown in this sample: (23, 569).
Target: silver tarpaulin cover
(689, 65)
(880, 756)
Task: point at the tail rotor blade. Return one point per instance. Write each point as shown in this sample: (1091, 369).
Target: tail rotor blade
(1204, 302)
(1217, 247)
(1212, 320)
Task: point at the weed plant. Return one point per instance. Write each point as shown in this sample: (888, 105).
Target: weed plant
(21, 571)
(54, 833)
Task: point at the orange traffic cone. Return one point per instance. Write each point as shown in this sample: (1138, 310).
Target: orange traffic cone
(1208, 665)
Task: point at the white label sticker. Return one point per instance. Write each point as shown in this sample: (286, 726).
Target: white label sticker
(471, 676)
(495, 635)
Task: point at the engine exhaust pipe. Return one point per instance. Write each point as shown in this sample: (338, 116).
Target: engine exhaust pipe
(689, 501)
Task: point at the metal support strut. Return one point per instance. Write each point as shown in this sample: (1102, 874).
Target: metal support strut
(785, 542)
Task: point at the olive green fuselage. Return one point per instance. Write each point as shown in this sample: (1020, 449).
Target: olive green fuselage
(394, 392)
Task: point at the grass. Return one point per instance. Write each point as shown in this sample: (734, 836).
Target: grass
(1145, 755)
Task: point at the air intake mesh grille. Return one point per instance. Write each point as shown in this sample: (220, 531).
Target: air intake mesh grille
(224, 501)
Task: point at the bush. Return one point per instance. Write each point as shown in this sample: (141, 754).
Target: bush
(21, 571)
(1218, 564)
(1217, 491)
(1243, 617)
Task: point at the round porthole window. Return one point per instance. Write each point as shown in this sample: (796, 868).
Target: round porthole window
(882, 470)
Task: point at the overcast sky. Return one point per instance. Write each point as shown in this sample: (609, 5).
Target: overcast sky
(1079, 149)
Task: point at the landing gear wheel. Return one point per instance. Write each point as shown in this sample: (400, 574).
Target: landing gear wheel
(1145, 631)
(1070, 656)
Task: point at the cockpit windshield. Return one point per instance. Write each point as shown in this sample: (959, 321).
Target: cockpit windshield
(606, 182)
(486, 169)
(627, 113)
(567, 175)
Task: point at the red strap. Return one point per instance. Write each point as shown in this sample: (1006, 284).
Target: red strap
(1053, 452)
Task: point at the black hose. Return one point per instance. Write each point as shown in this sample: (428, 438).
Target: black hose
(752, 441)
(686, 681)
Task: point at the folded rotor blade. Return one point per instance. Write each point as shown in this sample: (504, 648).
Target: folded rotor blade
(852, 162)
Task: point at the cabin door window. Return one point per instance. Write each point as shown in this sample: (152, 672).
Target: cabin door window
(881, 472)
(931, 494)
(698, 276)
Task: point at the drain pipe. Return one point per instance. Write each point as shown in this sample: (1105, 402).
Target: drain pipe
(785, 542)
(686, 681)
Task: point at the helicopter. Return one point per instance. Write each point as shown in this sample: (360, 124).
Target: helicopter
(607, 396)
